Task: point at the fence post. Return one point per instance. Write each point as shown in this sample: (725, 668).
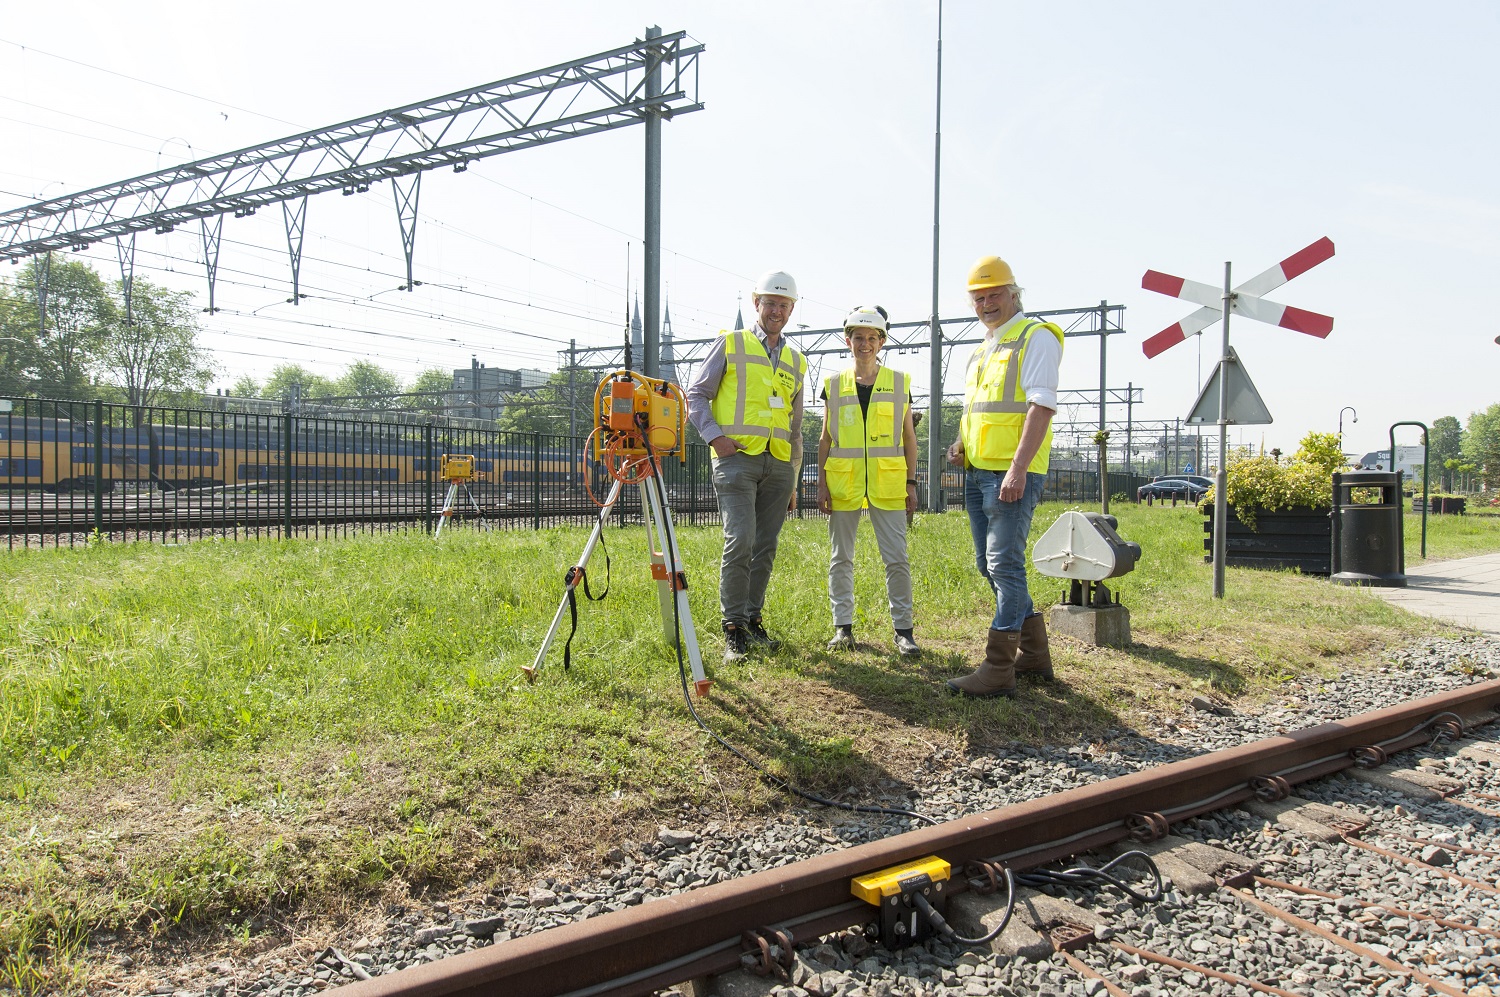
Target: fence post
(286, 475)
(536, 481)
(427, 439)
(99, 466)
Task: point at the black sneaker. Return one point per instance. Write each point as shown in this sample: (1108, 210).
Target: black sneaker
(843, 638)
(736, 642)
(906, 644)
(756, 632)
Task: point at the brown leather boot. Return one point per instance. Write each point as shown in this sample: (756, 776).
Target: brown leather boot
(1035, 658)
(996, 674)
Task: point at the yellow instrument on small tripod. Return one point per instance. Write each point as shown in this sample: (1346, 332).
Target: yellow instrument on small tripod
(638, 420)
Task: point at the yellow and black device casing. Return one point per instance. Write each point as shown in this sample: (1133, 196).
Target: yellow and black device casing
(457, 467)
(893, 889)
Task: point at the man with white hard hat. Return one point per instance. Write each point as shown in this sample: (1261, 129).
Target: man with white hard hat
(746, 403)
(867, 461)
(1005, 440)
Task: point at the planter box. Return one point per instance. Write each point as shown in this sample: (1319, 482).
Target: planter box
(1298, 538)
(1447, 505)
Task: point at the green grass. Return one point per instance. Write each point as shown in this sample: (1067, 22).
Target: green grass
(202, 739)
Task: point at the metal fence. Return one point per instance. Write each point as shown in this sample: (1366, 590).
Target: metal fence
(72, 472)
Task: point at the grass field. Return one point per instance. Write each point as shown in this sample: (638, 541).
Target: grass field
(214, 741)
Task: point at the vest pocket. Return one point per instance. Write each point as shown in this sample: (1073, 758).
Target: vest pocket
(888, 486)
(998, 440)
(843, 479)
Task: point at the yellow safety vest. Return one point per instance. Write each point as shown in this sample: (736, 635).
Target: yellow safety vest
(754, 403)
(866, 458)
(995, 404)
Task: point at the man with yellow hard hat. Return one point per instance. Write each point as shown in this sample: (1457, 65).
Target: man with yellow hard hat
(1005, 440)
(746, 403)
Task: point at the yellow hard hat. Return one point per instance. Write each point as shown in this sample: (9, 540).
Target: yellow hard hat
(990, 271)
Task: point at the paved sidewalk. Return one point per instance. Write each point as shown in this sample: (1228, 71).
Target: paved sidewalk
(1464, 591)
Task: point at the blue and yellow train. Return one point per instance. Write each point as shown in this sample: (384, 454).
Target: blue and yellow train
(59, 454)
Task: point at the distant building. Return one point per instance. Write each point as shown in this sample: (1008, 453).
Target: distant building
(489, 386)
(668, 354)
(1408, 461)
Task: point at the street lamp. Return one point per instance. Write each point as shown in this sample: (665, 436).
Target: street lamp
(1350, 409)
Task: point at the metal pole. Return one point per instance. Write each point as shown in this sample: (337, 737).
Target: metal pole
(1221, 477)
(99, 467)
(1103, 392)
(936, 447)
(650, 363)
(572, 398)
(427, 485)
(1129, 411)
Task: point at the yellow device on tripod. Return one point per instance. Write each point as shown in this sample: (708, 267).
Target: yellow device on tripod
(637, 421)
(458, 470)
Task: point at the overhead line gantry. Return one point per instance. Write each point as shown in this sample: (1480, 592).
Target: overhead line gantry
(646, 82)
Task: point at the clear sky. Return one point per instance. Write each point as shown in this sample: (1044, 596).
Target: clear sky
(1084, 142)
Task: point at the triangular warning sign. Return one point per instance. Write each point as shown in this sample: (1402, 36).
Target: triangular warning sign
(1245, 405)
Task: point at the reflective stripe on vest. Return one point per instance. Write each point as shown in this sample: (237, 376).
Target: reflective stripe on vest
(866, 457)
(742, 407)
(995, 404)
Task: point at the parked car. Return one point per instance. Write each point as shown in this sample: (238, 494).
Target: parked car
(1189, 491)
(1197, 479)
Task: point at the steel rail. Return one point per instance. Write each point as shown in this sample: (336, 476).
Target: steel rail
(687, 935)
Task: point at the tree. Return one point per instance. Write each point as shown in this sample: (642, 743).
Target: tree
(1444, 444)
(1481, 444)
(78, 313)
(545, 409)
(245, 387)
(156, 351)
(369, 383)
(19, 354)
(283, 376)
(436, 380)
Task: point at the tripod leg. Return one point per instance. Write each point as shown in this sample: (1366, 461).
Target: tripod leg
(673, 589)
(562, 607)
(655, 543)
(473, 502)
(447, 509)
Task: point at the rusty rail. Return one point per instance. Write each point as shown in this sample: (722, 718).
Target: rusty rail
(687, 935)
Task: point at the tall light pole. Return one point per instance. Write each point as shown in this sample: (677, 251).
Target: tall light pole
(1350, 409)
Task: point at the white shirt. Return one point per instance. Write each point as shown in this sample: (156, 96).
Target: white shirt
(1039, 367)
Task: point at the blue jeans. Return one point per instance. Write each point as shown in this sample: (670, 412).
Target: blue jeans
(1000, 530)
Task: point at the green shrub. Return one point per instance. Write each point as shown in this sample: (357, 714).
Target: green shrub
(1304, 479)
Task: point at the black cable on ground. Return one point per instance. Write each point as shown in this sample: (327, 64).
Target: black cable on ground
(1077, 876)
(669, 544)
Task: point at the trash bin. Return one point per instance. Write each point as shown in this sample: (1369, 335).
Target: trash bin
(1368, 545)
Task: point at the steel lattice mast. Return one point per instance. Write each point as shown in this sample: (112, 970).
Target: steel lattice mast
(646, 81)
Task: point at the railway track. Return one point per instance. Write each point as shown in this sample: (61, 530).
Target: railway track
(1349, 858)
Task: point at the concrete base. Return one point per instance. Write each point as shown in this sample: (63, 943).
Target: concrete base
(1109, 626)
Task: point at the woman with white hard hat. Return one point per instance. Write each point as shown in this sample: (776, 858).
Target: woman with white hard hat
(867, 463)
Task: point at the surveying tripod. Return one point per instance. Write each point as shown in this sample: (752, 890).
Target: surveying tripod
(458, 471)
(639, 420)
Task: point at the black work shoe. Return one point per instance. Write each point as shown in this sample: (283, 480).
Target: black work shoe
(755, 631)
(906, 644)
(843, 638)
(736, 642)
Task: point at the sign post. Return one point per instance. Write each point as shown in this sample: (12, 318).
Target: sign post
(1240, 404)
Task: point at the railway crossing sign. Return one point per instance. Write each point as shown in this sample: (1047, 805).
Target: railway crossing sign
(1246, 300)
(1230, 397)
(1245, 405)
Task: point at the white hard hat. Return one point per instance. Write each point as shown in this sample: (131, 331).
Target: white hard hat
(868, 317)
(777, 282)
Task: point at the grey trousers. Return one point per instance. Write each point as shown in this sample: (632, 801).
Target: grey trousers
(890, 534)
(753, 495)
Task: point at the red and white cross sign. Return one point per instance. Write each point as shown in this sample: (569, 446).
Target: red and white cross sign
(1247, 300)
